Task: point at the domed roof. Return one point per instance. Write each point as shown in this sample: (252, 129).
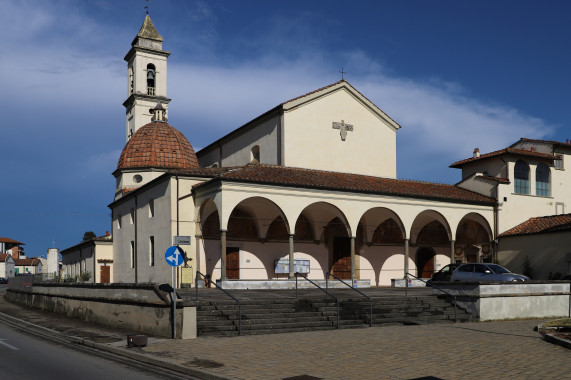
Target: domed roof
(158, 145)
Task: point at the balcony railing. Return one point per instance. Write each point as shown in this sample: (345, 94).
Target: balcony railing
(151, 91)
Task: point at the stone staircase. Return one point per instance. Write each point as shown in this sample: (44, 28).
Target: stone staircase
(219, 317)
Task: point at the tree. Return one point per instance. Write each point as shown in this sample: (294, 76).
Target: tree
(88, 235)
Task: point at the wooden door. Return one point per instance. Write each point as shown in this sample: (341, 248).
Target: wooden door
(425, 263)
(233, 263)
(105, 274)
(342, 257)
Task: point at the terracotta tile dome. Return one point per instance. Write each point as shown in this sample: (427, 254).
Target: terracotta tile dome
(158, 145)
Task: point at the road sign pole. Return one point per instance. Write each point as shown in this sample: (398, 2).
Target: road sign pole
(174, 304)
(174, 256)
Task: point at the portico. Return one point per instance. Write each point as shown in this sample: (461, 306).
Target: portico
(353, 234)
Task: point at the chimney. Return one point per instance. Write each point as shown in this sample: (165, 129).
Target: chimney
(476, 153)
(531, 149)
(106, 233)
(567, 141)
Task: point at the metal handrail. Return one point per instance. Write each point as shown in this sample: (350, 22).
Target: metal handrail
(198, 273)
(432, 286)
(319, 287)
(351, 287)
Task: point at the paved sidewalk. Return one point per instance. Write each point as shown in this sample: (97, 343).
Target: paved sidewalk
(485, 350)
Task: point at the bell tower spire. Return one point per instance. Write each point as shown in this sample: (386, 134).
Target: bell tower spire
(147, 76)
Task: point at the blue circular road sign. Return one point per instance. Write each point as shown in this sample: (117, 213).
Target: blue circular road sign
(174, 256)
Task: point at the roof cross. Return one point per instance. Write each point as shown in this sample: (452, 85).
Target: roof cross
(342, 74)
(147, 6)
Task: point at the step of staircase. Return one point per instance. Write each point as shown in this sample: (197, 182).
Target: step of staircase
(282, 315)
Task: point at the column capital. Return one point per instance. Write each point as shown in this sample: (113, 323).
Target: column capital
(222, 230)
(198, 236)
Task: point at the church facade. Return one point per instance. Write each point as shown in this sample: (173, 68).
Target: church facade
(309, 186)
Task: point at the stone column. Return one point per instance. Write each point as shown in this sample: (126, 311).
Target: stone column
(353, 257)
(291, 258)
(452, 251)
(405, 256)
(223, 255)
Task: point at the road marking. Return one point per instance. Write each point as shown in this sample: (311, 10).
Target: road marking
(8, 345)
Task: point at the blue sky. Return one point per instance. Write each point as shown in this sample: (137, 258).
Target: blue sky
(454, 74)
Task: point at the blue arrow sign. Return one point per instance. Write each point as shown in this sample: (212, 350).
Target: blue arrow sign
(174, 256)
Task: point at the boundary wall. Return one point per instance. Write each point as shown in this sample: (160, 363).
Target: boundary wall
(495, 301)
(142, 308)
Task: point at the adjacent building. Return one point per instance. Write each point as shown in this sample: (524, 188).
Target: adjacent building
(90, 260)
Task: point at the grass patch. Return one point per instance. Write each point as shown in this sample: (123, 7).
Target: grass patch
(566, 322)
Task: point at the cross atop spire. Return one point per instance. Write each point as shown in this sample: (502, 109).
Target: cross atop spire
(342, 73)
(147, 6)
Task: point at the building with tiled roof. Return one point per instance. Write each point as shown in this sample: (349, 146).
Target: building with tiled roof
(31, 265)
(543, 241)
(309, 186)
(91, 260)
(11, 246)
(528, 179)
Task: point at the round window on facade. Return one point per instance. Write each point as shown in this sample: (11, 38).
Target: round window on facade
(137, 178)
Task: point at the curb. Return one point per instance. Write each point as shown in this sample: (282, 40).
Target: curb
(550, 338)
(199, 373)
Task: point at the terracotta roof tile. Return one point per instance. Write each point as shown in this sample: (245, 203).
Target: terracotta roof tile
(8, 240)
(318, 179)
(27, 262)
(543, 224)
(556, 143)
(520, 152)
(157, 145)
(3, 257)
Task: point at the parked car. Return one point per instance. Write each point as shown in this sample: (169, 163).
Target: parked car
(444, 274)
(485, 272)
(3, 280)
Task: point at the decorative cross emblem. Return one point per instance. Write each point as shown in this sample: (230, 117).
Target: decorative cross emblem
(343, 128)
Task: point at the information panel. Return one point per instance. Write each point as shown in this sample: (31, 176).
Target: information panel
(299, 266)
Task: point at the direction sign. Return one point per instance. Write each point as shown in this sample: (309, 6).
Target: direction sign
(174, 256)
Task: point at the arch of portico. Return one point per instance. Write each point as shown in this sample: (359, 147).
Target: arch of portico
(473, 239)
(280, 227)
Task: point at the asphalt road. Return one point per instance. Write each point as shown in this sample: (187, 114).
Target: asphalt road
(26, 356)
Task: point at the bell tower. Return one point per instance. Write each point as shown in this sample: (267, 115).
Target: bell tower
(147, 77)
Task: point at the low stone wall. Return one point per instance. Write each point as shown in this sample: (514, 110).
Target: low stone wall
(288, 284)
(135, 307)
(493, 301)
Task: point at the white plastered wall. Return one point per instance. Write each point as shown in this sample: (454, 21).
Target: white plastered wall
(311, 142)
(236, 151)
